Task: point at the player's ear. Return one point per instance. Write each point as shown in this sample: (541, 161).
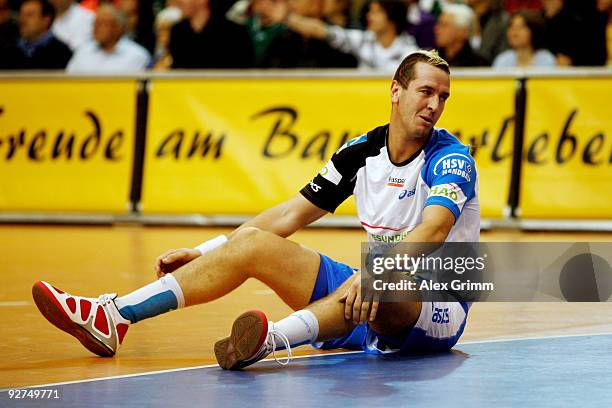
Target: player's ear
(395, 88)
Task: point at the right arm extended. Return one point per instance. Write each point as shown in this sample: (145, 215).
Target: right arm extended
(282, 219)
(285, 218)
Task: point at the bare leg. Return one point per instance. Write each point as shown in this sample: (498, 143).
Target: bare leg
(286, 267)
(392, 317)
(250, 341)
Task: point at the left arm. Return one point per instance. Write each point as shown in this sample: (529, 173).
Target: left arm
(426, 237)
(437, 223)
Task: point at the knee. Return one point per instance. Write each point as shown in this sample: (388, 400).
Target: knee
(393, 318)
(247, 240)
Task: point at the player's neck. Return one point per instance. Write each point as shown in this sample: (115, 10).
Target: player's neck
(402, 147)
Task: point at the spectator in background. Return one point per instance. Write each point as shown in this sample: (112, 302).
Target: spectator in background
(139, 21)
(526, 39)
(110, 50)
(490, 38)
(337, 12)
(382, 46)
(73, 24)
(295, 49)
(420, 25)
(9, 29)
(204, 39)
(434, 7)
(453, 31)
(164, 22)
(262, 30)
(575, 32)
(37, 47)
(605, 7)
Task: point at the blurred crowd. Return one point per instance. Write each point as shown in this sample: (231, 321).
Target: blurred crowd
(133, 35)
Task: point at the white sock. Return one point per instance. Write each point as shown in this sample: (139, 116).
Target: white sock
(301, 327)
(156, 298)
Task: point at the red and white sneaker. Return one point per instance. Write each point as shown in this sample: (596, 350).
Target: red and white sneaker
(96, 323)
(252, 339)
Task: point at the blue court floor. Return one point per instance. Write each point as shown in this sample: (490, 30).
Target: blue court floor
(544, 372)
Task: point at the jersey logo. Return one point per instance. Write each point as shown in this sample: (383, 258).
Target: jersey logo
(406, 193)
(440, 315)
(454, 163)
(315, 187)
(396, 182)
(330, 173)
(451, 191)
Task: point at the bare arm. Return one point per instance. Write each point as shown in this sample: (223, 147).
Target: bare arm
(286, 218)
(437, 223)
(283, 220)
(279, 12)
(426, 237)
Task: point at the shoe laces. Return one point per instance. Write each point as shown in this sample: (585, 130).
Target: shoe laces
(272, 342)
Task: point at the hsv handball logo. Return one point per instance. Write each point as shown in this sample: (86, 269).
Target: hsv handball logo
(454, 163)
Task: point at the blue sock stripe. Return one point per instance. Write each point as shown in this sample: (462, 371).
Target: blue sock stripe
(155, 305)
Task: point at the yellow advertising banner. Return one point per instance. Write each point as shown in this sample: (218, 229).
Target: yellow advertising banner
(66, 145)
(238, 146)
(567, 166)
(481, 113)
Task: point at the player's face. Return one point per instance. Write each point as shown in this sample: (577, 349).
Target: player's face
(419, 106)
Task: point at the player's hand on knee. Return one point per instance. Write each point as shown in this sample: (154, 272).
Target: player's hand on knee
(351, 295)
(173, 259)
(356, 309)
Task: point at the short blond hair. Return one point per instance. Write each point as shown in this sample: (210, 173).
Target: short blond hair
(405, 72)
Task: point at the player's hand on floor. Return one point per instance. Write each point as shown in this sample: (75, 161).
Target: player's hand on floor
(173, 259)
(357, 309)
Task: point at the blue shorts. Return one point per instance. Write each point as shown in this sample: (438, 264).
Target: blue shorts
(438, 327)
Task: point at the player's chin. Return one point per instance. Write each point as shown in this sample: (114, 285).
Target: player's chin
(424, 130)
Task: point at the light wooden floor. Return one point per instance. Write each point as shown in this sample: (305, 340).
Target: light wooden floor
(89, 261)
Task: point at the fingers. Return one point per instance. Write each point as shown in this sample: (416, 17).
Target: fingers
(373, 311)
(357, 309)
(368, 306)
(159, 261)
(363, 313)
(163, 263)
(172, 260)
(348, 304)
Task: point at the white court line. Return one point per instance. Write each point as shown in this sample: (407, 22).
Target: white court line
(542, 337)
(297, 357)
(14, 303)
(162, 372)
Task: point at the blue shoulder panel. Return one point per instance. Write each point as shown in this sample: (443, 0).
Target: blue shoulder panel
(449, 172)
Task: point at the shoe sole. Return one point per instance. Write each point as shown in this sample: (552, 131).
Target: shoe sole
(248, 334)
(53, 312)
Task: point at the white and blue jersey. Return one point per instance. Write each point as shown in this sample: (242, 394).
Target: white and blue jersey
(390, 197)
(390, 200)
